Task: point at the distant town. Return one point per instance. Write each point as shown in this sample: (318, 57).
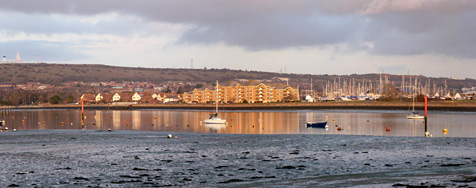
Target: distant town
(250, 91)
(40, 83)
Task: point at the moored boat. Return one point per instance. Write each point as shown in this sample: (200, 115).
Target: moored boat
(317, 124)
(415, 115)
(214, 119)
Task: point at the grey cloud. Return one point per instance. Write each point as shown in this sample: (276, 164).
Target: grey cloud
(271, 33)
(395, 27)
(418, 33)
(44, 24)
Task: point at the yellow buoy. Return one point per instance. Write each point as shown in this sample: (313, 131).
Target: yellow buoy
(445, 131)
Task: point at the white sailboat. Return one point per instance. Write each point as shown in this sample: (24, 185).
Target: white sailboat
(214, 119)
(415, 115)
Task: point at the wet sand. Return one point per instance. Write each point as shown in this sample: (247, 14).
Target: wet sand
(74, 158)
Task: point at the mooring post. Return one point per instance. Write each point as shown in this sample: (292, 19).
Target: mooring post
(426, 117)
(82, 115)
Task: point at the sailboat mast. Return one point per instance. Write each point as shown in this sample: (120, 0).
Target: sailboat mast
(311, 89)
(217, 100)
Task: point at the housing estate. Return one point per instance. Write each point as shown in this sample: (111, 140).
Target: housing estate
(249, 92)
(138, 97)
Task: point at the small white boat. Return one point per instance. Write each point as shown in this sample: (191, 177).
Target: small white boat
(214, 119)
(415, 115)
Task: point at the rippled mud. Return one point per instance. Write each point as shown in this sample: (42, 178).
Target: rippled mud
(71, 158)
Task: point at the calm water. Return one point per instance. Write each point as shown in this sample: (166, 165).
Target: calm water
(353, 122)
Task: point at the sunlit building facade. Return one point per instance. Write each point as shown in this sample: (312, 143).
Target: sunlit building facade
(251, 92)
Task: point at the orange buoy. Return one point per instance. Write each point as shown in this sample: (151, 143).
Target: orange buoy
(44, 122)
(388, 129)
(125, 122)
(128, 125)
(67, 120)
(339, 129)
(62, 123)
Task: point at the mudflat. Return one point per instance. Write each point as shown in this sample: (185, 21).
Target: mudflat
(75, 158)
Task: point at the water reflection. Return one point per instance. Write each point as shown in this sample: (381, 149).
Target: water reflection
(291, 122)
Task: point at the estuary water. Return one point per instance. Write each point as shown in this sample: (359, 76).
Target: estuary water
(350, 122)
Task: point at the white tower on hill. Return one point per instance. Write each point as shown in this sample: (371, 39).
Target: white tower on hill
(18, 59)
(4, 59)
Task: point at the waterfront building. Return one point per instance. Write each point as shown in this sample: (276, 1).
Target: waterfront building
(469, 95)
(136, 97)
(4, 59)
(116, 97)
(167, 97)
(249, 92)
(88, 98)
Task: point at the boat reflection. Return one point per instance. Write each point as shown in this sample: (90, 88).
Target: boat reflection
(215, 126)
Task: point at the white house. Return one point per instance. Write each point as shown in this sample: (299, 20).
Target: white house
(136, 97)
(99, 97)
(154, 96)
(458, 97)
(116, 97)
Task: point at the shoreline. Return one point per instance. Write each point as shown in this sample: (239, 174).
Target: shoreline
(468, 106)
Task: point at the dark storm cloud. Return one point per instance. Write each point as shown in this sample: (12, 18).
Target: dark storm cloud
(404, 27)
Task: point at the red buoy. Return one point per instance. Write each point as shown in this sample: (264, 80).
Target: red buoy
(388, 129)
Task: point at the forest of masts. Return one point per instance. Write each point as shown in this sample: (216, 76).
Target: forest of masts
(410, 85)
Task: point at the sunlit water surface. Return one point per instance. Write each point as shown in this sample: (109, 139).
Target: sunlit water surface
(350, 122)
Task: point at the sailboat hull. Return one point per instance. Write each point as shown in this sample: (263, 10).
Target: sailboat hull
(215, 121)
(415, 117)
(316, 124)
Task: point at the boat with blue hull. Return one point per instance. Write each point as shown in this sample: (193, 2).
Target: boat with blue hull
(316, 124)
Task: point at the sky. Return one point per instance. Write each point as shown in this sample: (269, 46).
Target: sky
(423, 37)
